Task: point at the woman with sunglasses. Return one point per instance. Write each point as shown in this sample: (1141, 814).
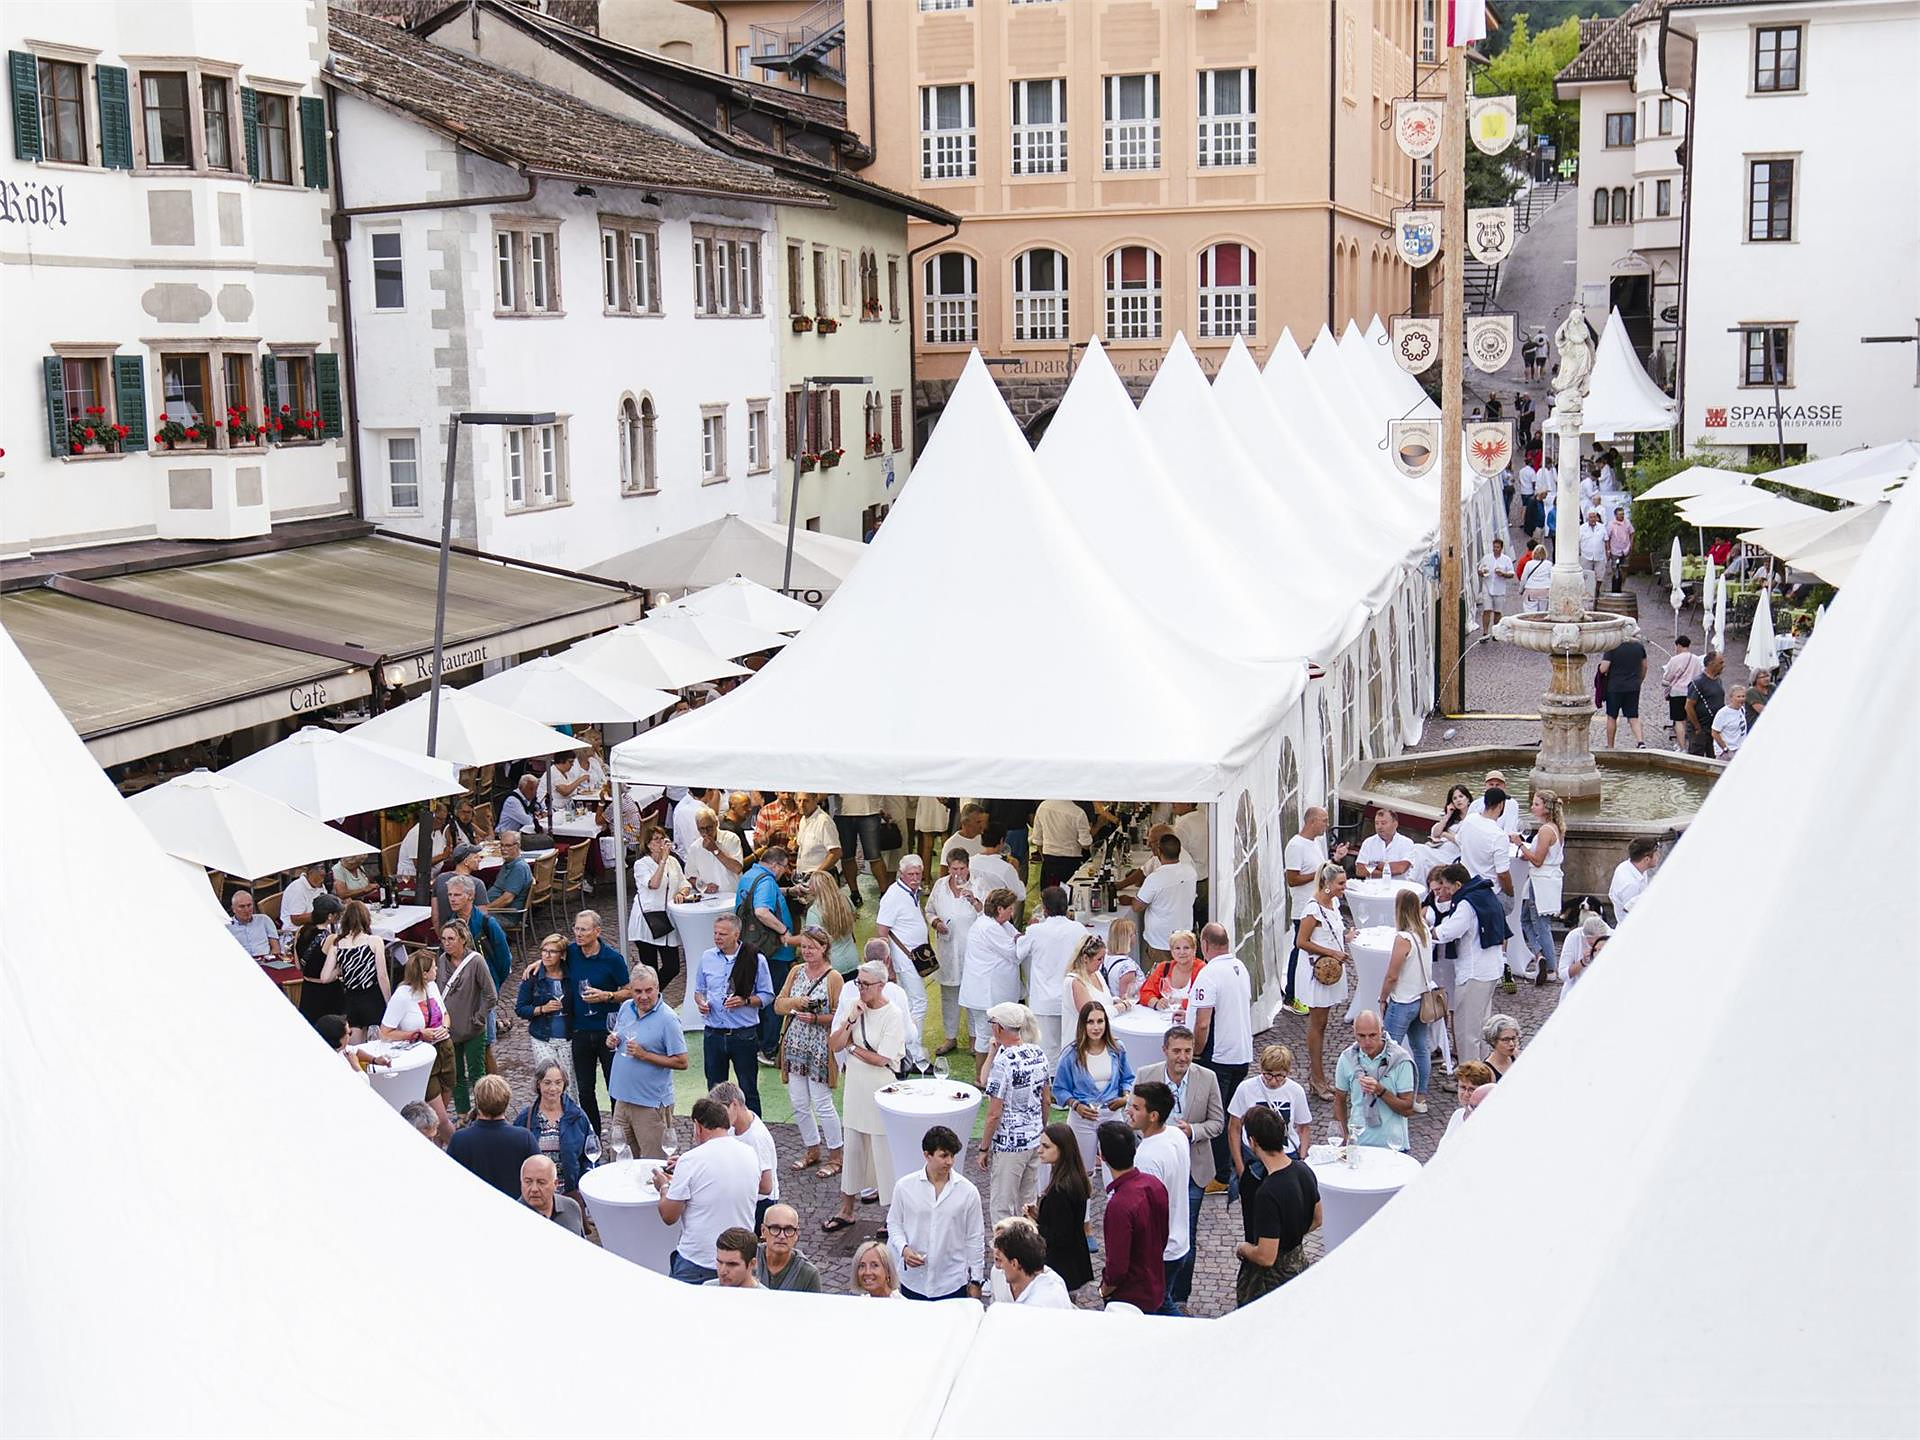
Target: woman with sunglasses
(869, 1041)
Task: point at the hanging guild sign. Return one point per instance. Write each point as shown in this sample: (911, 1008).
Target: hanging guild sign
(1489, 446)
(1416, 235)
(1492, 122)
(1490, 234)
(1416, 125)
(1489, 340)
(1416, 340)
(1414, 445)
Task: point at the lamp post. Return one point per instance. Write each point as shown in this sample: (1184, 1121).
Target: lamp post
(1773, 375)
(456, 419)
(807, 386)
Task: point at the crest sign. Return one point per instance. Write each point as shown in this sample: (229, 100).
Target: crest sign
(1489, 446)
(1416, 235)
(1489, 340)
(1416, 126)
(1490, 234)
(1414, 445)
(1416, 341)
(1492, 121)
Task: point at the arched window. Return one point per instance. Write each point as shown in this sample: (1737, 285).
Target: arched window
(1133, 293)
(1248, 902)
(637, 474)
(1040, 295)
(649, 455)
(869, 284)
(1376, 700)
(1326, 752)
(1349, 720)
(1290, 806)
(953, 299)
(1227, 290)
(1393, 678)
(870, 414)
(1600, 206)
(1620, 205)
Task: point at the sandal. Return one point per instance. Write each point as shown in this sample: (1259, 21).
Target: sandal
(834, 1224)
(828, 1171)
(812, 1157)
(1323, 1092)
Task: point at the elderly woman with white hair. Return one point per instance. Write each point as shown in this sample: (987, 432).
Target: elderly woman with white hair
(990, 969)
(1502, 1036)
(1582, 942)
(870, 1040)
(1017, 1088)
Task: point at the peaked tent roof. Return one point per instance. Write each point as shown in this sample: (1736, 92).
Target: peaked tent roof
(720, 549)
(1620, 398)
(979, 524)
(1644, 1314)
(1407, 391)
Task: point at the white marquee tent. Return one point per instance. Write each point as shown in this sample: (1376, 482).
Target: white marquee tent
(1621, 398)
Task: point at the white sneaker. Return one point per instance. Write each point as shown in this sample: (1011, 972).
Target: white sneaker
(1419, 1107)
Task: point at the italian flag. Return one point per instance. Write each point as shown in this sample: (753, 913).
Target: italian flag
(1466, 21)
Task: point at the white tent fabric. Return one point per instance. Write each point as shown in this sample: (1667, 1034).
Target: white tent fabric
(472, 730)
(1621, 399)
(1696, 480)
(649, 658)
(1643, 1311)
(222, 824)
(1858, 476)
(979, 527)
(197, 885)
(1408, 393)
(563, 690)
(329, 773)
(729, 546)
(751, 603)
(148, 1287)
(1743, 507)
(721, 634)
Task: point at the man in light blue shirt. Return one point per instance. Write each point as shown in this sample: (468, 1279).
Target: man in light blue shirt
(730, 1011)
(258, 935)
(647, 1047)
(1373, 1085)
(517, 810)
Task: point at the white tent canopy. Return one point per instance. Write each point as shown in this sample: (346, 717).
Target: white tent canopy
(723, 635)
(328, 773)
(1643, 1311)
(1859, 476)
(729, 546)
(1621, 398)
(1743, 506)
(562, 690)
(231, 827)
(650, 658)
(1408, 394)
(979, 527)
(1696, 480)
(472, 730)
(751, 603)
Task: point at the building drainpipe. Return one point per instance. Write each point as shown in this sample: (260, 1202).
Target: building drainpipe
(1333, 164)
(873, 123)
(913, 353)
(346, 316)
(1686, 236)
(726, 38)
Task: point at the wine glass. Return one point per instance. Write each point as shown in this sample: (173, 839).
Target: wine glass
(617, 1142)
(941, 1070)
(592, 1149)
(670, 1142)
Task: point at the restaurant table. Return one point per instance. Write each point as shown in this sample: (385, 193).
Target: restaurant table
(1372, 901)
(390, 924)
(693, 923)
(491, 859)
(405, 1080)
(912, 1107)
(1142, 1032)
(1351, 1195)
(1370, 950)
(626, 1210)
(581, 827)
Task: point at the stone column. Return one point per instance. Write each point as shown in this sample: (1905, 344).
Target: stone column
(1567, 599)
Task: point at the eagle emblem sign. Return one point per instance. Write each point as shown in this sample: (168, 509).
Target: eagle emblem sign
(1416, 126)
(1414, 445)
(1489, 446)
(1416, 235)
(1492, 121)
(1489, 340)
(1416, 341)
(1490, 234)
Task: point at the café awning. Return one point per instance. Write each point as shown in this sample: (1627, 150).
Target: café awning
(154, 660)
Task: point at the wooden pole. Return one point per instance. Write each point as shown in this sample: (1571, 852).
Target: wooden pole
(1453, 302)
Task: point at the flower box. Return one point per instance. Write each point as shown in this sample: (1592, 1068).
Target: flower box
(91, 433)
(802, 324)
(830, 458)
(826, 326)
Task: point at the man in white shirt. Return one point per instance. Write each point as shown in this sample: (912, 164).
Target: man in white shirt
(1632, 876)
(296, 901)
(710, 1188)
(973, 821)
(934, 1226)
(1222, 1005)
(1165, 900)
(716, 861)
(1190, 824)
(1484, 844)
(900, 924)
(1386, 852)
(751, 1131)
(816, 841)
(1163, 1154)
(1498, 575)
(1476, 968)
(1020, 1256)
(1053, 941)
(1062, 834)
(686, 819)
(1729, 731)
(1593, 551)
(1305, 854)
(991, 870)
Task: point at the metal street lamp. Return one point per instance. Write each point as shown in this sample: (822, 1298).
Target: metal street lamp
(807, 386)
(1913, 339)
(458, 418)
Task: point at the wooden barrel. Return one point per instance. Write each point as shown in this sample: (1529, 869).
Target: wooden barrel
(1625, 603)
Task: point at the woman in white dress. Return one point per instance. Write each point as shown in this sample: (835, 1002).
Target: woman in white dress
(1536, 579)
(990, 971)
(565, 775)
(1322, 935)
(657, 879)
(1444, 839)
(1409, 976)
(1543, 856)
(952, 907)
(869, 1040)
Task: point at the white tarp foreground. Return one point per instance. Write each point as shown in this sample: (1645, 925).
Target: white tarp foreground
(149, 1286)
(979, 526)
(1707, 1264)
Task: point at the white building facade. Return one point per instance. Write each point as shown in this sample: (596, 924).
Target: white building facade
(172, 337)
(1804, 225)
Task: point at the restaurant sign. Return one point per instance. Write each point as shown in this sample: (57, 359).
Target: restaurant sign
(418, 669)
(1797, 417)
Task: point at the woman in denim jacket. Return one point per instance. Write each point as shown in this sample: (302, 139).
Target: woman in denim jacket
(1092, 1078)
(558, 1125)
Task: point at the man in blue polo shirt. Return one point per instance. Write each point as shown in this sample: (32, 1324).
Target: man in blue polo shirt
(598, 974)
(763, 882)
(647, 1047)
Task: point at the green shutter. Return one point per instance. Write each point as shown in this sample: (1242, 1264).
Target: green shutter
(313, 141)
(116, 120)
(23, 78)
(130, 399)
(269, 396)
(56, 376)
(326, 380)
(250, 129)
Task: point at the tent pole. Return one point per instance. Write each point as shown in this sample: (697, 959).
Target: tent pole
(619, 827)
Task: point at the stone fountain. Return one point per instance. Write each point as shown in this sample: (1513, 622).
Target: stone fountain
(1569, 632)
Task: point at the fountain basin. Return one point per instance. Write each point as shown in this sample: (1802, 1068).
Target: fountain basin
(1645, 792)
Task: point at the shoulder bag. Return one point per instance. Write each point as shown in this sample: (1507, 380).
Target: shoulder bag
(1433, 1000)
(1328, 969)
(659, 922)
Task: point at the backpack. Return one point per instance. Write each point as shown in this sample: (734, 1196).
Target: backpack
(755, 933)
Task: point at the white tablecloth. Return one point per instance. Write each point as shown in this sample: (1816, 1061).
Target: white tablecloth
(491, 860)
(1372, 901)
(389, 923)
(626, 1209)
(1350, 1197)
(581, 827)
(693, 923)
(912, 1107)
(405, 1080)
(1142, 1031)
(1371, 949)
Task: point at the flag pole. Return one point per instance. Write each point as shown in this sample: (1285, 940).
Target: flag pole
(1453, 299)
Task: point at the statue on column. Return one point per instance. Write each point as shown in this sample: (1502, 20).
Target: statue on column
(1574, 341)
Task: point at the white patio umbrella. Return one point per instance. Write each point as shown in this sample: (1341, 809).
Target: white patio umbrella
(1706, 599)
(1742, 509)
(1720, 614)
(560, 691)
(647, 657)
(718, 633)
(223, 824)
(746, 600)
(1696, 480)
(1676, 595)
(1827, 546)
(1861, 476)
(472, 731)
(1761, 654)
(327, 774)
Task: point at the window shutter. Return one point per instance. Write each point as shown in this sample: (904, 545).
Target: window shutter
(116, 121)
(793, 424)
(326, 380)
(130, 399)
(250, 129)
(269, 397)
(816, 432)
(896, 423)
(313, 141)
(56, 380)
(833, 417)
(23, 79)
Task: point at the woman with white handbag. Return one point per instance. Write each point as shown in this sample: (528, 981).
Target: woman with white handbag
(1405, 1007)
(1543, 856)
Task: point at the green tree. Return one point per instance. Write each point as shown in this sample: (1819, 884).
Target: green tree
(1526, 69)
